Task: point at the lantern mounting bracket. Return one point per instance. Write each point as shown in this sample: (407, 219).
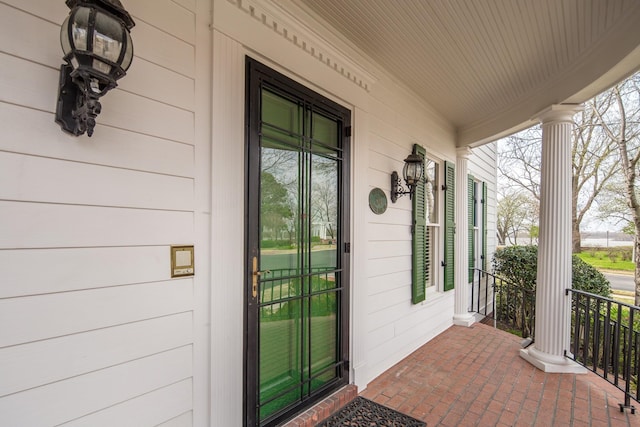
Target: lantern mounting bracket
(77, 107)
(397, 190)
(412, 174)
(98, 50)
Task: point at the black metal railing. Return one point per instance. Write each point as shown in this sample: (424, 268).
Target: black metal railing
(605, 338)
(605, 334)
(482, 292)
(279, 287)
(511, 306)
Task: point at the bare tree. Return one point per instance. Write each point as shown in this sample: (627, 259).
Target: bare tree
(512, 216)
(621, 124)
(593, 163)
(519, 161)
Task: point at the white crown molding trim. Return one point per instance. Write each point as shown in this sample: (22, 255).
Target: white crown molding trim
(327, 55)
(319, 28)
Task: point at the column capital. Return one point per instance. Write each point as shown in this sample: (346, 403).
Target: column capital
(463, 152)
(558, 113)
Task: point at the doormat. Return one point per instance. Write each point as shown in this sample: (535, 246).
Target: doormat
(362, 412)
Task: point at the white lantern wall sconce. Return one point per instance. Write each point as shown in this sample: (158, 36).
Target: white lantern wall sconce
(412, 174)
(97, 48)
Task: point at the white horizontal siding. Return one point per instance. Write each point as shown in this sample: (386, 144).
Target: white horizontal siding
(397, 291)
(166, 15)
(44, 180)
(42, 362)
(42, 45)
(40, 317)
(167, 403)
(163, 49)
(140, 114)
(159, 83)
(395, 215)
(389, 282)
(75, 397)
(24, 130)
(72, 269)
(93, 331)
(390, 232)
(28, 84)
(187, 4)
(53, 11)
(389, 265)
(379, 250)
(183, 420)
(482, 165)
(40, 225)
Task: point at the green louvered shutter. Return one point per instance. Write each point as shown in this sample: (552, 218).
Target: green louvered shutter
(419, 238)
(450, 225)
(471, 200)
(484, 226)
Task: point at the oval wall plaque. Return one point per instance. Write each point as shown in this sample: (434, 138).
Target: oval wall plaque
(377, 201)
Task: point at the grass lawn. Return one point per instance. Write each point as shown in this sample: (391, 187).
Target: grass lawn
(606, 260)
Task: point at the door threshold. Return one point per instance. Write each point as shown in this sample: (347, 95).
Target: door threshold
(325, 408)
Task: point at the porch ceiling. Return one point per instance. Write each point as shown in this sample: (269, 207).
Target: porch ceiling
(489, 66)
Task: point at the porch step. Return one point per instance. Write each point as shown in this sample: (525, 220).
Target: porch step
(325, 408)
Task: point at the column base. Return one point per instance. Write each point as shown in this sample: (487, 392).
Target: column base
(359, 376)
(550, 363)
(466, 319)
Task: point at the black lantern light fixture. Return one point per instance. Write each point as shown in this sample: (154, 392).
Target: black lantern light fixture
(412, 174)
(98, 51)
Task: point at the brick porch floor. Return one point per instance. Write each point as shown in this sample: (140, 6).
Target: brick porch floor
(475, 377)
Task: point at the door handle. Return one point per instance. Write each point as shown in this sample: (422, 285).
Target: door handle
(255, 274)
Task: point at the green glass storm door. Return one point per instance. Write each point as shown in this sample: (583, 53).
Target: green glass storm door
(296, 344)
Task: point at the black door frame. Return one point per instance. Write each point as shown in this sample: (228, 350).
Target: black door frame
(256, 75)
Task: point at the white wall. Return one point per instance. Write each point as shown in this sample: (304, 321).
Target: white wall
(483, 166)
(93, 331)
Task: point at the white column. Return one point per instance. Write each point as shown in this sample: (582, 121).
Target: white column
(553, 315)
(461, 314)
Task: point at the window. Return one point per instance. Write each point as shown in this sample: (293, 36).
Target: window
(430, 229)
(477, 225)
(431, 179)
(426, 228)
(473, 224)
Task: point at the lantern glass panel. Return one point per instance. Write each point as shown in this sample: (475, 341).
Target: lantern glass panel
(410, 172)
(128, 54)
(79, 28)
(107, 37)
(101, 66)
(64, 37)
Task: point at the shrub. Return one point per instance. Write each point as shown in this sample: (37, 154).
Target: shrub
(518, 265)
(587, 278)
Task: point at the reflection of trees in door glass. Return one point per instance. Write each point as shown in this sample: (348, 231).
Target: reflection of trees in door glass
(279, 197)
(324, 199)
(274, 207)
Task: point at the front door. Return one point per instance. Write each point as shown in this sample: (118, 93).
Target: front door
(297, 224)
